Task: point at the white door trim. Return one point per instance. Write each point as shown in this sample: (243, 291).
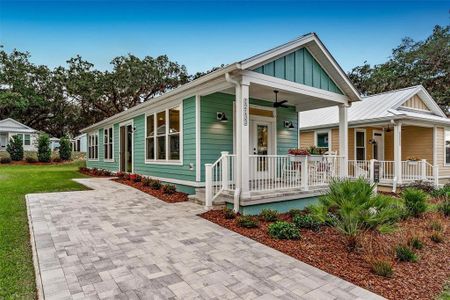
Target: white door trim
(126, 123)
(373, 145)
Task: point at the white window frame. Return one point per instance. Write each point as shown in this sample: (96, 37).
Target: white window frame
(365, 143)
(328, 131)
(446, 130)
(106, 143)
(165, 161)
(23, 139)
(92, 135)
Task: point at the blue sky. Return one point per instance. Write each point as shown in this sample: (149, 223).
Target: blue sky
(206, 34)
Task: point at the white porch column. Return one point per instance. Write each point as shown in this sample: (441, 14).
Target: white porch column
(244, 129)
(343, 139)
(398, 151)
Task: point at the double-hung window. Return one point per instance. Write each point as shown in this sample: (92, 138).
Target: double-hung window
(163, 135)
(447, 146)
(93, 146)
(108, 144)
(27, 140)
(323, 140)
(360, 145)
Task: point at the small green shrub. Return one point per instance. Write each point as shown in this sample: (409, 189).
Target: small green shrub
(437, 237)
(284, 231)
(155, 184)
(415, 243)
(404, 253)
(426, 186)
(31, 159)
(444, 207)
(145, 181)
(65, 148)
(269, 215)
(247, 222)
(44, 151)
(228, 213)
(15, 148)
(306, 221)
(442, 192)
(294, 212)
(415, 201)
(5, 160)
(382, 268)
(436, 225)
(169, 189)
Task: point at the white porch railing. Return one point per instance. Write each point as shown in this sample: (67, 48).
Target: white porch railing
(358, 168)
(219, 176)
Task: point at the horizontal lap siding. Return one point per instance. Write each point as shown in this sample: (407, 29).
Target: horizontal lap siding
(306, 139)
(101, 164)
(180, 172)
(444, 170)
(418, 142)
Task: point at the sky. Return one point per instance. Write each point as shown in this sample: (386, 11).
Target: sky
(204, 34)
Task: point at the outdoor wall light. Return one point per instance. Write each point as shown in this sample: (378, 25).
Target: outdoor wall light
(288, 124)
(221, 116)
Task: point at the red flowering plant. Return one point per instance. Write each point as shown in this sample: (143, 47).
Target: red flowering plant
(134, 177)
(298, 152)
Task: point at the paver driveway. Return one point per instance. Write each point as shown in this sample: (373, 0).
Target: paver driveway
(117, 242)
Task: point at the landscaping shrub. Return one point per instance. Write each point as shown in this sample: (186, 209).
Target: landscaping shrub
(415, 201)
(31, 159)
(15, 148)
(382, 268)
(155, 184)
(133, 177)
(44, 151)
(229, 213)
(306, 221)
(56, 160)
(444, 207)
(352, 206)
(442, 192)
(437, 237)
(404, 253)
(426, 186)
(146, 181)
(284, 231)
(5, 160)
(269, 215)
(415, 243)
(65, 149)
(294, 212)
(247, 222)
(436, 225)
(120, 175)
(169, 189)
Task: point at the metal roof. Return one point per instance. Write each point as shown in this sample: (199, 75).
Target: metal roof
(377, 107)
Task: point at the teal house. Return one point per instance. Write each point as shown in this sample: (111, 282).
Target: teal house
(225, 137)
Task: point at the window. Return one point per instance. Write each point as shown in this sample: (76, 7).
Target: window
(27, 140)
(108, 144)
(323, 140)
(163, 135)
(360, 145)
(93, 146)
(447, 146)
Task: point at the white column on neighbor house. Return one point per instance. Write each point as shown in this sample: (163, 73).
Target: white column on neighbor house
(398, 151)
(245, 138)
(238, 137)
(343, 138)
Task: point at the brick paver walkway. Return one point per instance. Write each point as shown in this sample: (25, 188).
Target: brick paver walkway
(117, 242)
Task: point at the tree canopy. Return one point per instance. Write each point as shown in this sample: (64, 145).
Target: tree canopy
(412, 63)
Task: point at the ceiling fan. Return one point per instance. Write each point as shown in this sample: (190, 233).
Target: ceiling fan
(282, 103)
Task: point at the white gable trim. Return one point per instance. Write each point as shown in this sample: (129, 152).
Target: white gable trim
(16, 122)
(422, 93)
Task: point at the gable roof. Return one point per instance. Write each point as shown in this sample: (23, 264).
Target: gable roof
(379, 107)
(309, 41)
(11, 125)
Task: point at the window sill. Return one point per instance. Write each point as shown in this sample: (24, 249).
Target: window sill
(164, 162)
(109, 160)
(92, 159)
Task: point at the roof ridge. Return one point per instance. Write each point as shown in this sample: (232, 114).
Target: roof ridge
(393, 91)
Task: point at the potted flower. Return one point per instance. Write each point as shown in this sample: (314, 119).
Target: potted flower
(316, 154)
(298, 154)
(413, 160)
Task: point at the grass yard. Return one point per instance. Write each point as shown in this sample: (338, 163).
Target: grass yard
(17, 278)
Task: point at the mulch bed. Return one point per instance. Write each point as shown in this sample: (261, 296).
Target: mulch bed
(327, 251)
(169, 198)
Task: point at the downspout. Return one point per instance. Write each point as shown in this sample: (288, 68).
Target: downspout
(237, 191)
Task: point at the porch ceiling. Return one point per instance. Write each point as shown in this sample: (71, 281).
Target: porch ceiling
(302, 102)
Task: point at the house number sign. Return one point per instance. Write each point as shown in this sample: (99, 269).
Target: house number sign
(376, 171)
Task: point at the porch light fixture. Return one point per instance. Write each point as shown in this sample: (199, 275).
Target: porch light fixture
(221, 117)
(288, 124)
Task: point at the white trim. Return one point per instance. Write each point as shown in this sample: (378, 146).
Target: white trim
(382, 138)
(93, 133)
(365, 142)
(198, 167)
(435, 145)
(126, 123)
(177, 181)
(108, 160)
(446, 129)
(426, 99)
(273, 128)
(328, 131)
(167, 161)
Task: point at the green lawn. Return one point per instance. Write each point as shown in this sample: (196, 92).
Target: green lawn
(17, 278)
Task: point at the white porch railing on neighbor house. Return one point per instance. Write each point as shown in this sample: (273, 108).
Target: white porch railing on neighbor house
(358, 168)
(417, 170)
(271, 173)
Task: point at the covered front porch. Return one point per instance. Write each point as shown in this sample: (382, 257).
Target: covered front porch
(259, 167)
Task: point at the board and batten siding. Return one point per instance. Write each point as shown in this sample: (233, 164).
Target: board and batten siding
(416, 103)
(301, 67)
(101, 163)
(162, 170)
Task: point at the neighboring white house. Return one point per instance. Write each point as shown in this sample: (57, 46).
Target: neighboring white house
(10, 127)
(79, 143)
(54, 143)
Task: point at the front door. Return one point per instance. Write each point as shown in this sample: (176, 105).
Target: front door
(261, 144)
(126, 148)
(3, 141)
(378, 145)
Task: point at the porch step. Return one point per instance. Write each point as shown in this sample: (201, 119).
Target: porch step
(199, 198)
